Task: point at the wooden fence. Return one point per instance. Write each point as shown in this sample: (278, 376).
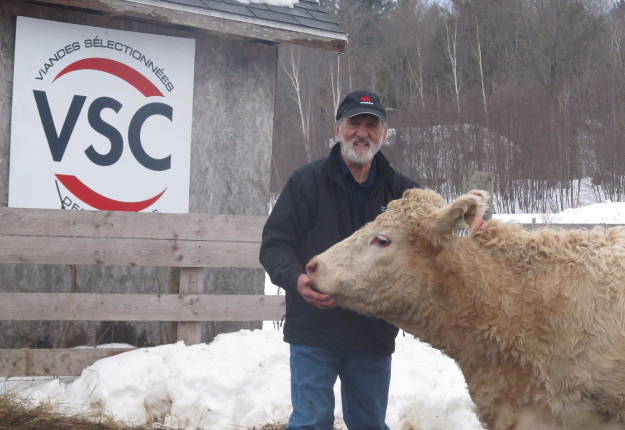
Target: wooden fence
(188, 241)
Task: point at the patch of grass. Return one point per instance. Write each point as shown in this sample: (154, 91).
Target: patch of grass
(18, 414)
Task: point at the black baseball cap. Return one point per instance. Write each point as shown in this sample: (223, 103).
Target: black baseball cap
(360, 102)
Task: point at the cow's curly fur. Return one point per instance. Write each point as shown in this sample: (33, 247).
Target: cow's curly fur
(535, 320)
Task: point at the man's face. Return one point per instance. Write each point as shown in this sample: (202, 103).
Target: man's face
(361, 137)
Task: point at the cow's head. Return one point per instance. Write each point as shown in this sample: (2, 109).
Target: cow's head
(384, 267)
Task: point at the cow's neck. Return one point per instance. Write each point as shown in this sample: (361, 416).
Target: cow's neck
(484, 301)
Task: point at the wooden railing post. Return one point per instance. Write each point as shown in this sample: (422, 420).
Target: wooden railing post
(481, 181)
(191, 282)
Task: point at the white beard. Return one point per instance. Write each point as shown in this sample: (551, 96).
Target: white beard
(359, 155)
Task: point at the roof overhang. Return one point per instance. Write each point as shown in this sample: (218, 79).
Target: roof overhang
(177, 14)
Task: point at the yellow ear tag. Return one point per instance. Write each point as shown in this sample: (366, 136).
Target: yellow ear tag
(461, 230)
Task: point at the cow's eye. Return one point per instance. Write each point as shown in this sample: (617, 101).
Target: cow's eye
(380, 240)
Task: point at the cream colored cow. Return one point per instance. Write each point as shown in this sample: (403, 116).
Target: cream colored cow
(535, 320)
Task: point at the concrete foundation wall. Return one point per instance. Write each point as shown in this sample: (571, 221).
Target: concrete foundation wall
(230, 170)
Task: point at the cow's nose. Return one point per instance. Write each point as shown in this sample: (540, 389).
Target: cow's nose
(312, 267)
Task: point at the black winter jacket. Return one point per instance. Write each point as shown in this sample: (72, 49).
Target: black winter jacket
(312, 214)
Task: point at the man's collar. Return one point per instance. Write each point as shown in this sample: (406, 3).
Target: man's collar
(345, 170)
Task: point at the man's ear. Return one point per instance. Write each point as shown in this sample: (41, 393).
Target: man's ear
(466, 209)
(337, 131)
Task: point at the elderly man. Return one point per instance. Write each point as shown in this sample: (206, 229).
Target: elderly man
(322, 203)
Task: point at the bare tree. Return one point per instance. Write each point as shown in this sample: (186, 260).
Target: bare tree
(335, 80)
(451, 45)
(303, 102)
(477, 49)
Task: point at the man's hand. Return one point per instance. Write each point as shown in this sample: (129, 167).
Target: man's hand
(479, 224)
(321, 301)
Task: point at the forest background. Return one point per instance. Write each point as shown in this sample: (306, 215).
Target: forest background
(531, 90)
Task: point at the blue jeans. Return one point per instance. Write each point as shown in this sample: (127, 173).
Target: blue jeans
(365, 380)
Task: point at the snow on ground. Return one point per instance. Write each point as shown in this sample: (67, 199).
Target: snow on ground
(600, 213)
(242, 379)
(286, 3)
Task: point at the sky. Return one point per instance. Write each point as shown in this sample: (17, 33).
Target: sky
(241, 380)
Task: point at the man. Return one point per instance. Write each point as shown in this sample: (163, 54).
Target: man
(322, 203)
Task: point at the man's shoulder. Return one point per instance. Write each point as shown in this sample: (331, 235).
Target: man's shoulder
(403, 182)
(318, 164)
(396, 178)
(407, 179)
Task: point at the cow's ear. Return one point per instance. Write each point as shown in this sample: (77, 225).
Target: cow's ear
(462, 213)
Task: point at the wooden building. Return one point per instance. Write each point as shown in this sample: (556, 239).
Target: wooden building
(236, 51)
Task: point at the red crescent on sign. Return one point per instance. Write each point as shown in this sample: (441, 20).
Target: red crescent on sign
(98, 201)
(115, 68)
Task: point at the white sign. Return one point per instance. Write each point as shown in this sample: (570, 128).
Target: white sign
(101, 119)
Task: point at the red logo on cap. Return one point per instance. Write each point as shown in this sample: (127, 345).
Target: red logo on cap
(365, 99)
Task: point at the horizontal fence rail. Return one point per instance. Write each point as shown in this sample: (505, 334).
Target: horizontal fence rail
(130, 225)
(191, 242)
(52, 362)
(127, 252)
(139, 307)
(49, 236)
